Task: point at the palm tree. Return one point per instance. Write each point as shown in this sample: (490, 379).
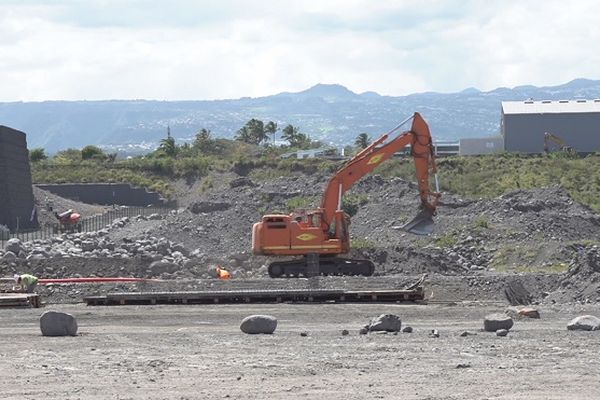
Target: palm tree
(255, 132)
(290, 133)
(243, 135)
(168, 146)
(203, 135)
(362, 140)
(204, 142)
(271, 127)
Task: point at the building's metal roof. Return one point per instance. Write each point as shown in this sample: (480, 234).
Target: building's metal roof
(551, 106)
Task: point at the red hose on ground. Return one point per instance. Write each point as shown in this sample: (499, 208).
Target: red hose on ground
(95, 280)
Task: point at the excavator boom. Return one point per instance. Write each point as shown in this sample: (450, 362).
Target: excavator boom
(419, 138)
(551, 137)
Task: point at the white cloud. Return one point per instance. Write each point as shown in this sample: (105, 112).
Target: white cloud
(229, 49)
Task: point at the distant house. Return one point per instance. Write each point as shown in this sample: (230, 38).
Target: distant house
(312, 153)
(440, 149)
(576, 122)
(446, 148)
(484, 145)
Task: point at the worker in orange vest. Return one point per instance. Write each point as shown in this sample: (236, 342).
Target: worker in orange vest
(223, 273)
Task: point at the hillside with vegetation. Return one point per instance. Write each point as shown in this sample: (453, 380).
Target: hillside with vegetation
(252, 154)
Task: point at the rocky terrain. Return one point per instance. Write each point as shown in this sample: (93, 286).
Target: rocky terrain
(538, 247)
(199, 352)
(540, 233)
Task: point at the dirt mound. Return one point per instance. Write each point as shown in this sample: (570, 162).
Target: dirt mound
(582, 280)
(542, 231)
(522, 231)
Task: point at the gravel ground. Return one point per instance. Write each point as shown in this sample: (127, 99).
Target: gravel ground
(541, 240)
(192, 352)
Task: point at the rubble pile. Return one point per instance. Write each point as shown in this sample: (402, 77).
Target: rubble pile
(533, 231)
(582, 280)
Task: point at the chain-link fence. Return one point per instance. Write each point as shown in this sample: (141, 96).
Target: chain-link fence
(88, 224)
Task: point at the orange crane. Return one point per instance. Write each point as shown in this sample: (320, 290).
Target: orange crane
(321, 234)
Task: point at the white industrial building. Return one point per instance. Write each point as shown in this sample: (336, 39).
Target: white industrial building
(576, 122)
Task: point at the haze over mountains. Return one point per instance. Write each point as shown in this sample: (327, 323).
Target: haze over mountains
(330, 113)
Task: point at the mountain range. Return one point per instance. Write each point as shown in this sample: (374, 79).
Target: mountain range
(327, 112)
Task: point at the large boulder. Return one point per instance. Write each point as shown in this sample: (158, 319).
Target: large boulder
(584, 323)
(385, 322)
(241, 181)
(88, 245)
(180, 248)
(493, 322)
(14, 245)
(161, 267)
(9, 257)
(254, 324)
(163, 246)
(55, 323)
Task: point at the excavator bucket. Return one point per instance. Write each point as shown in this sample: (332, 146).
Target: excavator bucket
(422, 224)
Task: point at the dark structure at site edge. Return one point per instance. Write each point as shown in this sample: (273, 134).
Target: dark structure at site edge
(16, 194)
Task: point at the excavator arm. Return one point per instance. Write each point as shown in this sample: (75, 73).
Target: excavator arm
(376, 153)
(550, 137)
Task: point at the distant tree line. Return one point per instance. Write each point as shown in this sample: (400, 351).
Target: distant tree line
(254, 133)
(89, 152)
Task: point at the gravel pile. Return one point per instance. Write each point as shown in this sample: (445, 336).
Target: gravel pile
(541, 231)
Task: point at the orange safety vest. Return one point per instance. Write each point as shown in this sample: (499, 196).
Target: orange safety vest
(223, 274)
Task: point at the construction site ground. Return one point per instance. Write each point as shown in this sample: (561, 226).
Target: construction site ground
(199, 352)
(540, 241)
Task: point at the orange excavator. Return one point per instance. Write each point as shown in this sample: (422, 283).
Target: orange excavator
(321, 234)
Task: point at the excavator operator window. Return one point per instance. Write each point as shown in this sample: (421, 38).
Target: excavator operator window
(314, 219)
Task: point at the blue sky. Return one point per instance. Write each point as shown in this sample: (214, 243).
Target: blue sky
(184, 49)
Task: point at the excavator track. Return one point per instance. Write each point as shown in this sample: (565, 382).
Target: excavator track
(326, 266)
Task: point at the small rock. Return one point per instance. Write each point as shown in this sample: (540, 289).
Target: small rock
(407, 329)
(502, 332)
(303, 334)
(459, 366)
(434, 333)
(364, 330)
(493, 322)
(345, 332)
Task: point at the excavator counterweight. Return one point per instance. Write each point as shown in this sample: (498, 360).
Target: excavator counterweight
(320, 235)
